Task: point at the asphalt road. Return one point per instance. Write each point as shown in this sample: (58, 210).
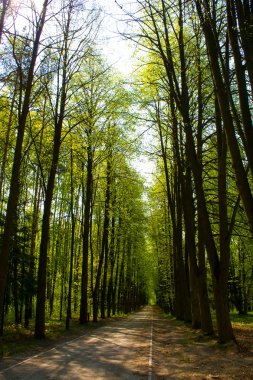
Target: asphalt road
(118, 350)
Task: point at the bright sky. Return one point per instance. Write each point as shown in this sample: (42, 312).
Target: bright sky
(37, 3)
(119, 53)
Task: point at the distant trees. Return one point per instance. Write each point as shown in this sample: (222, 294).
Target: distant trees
(68, 59)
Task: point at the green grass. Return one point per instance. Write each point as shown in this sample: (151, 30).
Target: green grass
(243, 320)
(17, 339)
(246, 320)
(176, 322)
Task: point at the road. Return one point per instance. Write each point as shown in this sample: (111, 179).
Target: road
(118, 350)
(146, 345)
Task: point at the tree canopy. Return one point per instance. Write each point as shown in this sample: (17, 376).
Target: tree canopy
(81, 233)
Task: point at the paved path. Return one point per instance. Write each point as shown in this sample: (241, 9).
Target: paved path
(119, 350)
(145, 345)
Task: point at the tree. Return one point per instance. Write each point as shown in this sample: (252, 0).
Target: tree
(156, 33)
(69, 60)
(165, 118)
(218, 68)
(15, 180)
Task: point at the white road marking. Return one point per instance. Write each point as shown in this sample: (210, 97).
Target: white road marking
(150, 362)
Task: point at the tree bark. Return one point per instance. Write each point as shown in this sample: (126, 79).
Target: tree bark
(86, 234)
(42, 269)
(241, 82)
(104, 247)
(223, 99)
(112, 257)
(221, 279)
(189, 220)
(72, 247)
(244, 14)
(106, 243)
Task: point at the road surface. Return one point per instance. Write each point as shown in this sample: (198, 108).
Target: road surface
(118, 350)
(145, 345)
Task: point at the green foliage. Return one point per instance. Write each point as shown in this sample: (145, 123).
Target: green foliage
(242, 320)
(102, 119)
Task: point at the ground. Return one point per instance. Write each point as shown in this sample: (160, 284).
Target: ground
(144, 345)
(183, 353)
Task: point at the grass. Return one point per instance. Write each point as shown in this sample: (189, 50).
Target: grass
(242, 320)
(17, 339)
(173, 319)
(243, 330)
(238, 319)
(242, 326)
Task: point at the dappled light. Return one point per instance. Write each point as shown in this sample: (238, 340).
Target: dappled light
(121, 350)
(126, 193)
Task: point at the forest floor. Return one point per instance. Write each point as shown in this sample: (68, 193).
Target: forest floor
(125, 348)
(183, 353)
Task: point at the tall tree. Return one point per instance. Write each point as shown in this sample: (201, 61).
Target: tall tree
(15, 180)
(156, 33)
(207, 17)
(70, 53)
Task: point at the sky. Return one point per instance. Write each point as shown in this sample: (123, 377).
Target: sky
(120, 53)
(117, 50)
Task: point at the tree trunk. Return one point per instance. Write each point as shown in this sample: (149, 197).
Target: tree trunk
(86, 236)
(104, 248)
(42, 269)
(6, 144)
(15, 177)
(58, 123)
(205, 313)
(247, 138)
(223, 99)
(106, 239)
(183, 309)
(72, 247)
(112, 263)
(115, 286)
(181, 292)
(121, 280)
(35, 219)
(224, 326)
(244, 16)
(189, 219)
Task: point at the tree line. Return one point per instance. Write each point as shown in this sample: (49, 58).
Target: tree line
(77, 235)
(72, 215)
(196, 80)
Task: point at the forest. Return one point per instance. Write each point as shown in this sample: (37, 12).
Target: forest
(82, 234)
